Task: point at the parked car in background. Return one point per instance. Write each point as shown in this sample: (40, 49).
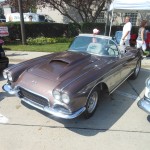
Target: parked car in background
(15, 17)
(4, 61)
(144, 103)
(69, 83)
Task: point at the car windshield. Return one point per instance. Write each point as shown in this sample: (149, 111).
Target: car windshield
(94, 45)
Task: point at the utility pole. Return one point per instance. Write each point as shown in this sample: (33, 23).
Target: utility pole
(22, 23)
(107, 17)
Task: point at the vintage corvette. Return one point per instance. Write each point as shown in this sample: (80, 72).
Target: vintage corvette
(69, 83)
(144, 103)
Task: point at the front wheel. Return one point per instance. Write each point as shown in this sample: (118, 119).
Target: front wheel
(136, 70)
(92, 102)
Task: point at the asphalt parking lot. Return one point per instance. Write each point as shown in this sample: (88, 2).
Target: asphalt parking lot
(117, 124)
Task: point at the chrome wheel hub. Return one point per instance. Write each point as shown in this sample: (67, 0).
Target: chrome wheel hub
(92, 102)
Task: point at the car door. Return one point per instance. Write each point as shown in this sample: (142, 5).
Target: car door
(114, 73)
(128, 61)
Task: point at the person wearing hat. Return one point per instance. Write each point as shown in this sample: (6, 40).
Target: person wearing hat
(95, 32)
(30, 18)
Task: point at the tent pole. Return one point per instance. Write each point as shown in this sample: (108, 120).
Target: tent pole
(111, 22)
(107, 19)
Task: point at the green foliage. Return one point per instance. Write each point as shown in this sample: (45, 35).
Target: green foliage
(44, 40)
(57, 47)
(36, 29)
(73, 29)
(41, 33)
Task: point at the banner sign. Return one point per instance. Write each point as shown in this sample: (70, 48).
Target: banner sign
(4, 31)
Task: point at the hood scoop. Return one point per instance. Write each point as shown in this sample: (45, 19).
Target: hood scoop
(69, 58)
(59, 61)
(62, 66)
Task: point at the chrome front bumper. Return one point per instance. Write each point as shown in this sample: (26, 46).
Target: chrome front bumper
(53, 111)
(144, 104)
(60, 114)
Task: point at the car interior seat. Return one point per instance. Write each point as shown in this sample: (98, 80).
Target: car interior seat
(95, 48)
(118, 35)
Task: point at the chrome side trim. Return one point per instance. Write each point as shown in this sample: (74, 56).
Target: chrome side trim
(53, 111)
(120, 83)
(144, 104)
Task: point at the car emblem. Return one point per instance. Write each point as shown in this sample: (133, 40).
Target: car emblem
(34, 82)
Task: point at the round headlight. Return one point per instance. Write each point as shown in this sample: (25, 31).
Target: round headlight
(5, 74)
(9, 76)
(65, 98)
(56, 95)
(148, 82)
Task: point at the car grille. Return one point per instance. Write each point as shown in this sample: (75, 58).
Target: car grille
(33, 97)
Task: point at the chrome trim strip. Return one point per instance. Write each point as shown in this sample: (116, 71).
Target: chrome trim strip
(53, 111)
(121, 83)
(84, 74)
(100, 77)
(144, 104)
(108, 89)
(74, 80)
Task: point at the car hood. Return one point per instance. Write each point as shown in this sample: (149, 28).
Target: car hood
(64, 65)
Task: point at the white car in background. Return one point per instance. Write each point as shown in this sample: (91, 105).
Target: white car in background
(144, 103)
(15, 17)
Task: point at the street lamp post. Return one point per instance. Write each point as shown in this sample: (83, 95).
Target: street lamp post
(22, 23)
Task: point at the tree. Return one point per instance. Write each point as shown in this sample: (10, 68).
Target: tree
(2, 17)
(28, 5)
(86, 10)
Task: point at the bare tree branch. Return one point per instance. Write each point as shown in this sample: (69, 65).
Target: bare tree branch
(86, 10)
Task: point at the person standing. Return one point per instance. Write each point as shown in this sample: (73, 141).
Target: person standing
(142, 36)
(126, 32)
(30, 18)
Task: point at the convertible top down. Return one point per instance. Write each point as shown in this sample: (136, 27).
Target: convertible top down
(69, 83)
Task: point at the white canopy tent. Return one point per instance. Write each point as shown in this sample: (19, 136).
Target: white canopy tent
(129, 6)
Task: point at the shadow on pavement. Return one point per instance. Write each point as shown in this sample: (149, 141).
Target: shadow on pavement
(3, 95)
